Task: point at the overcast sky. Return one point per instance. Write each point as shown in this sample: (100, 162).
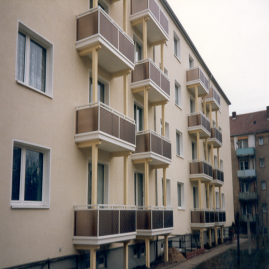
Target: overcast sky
(232, 36)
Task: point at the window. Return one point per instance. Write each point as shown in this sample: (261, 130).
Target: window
(245, 187)
(102, 92)
(217, 200)
(168, 192)
(139, 189)
(180, 195)
(260, 141)
(264, 208)
(138, 51)
(192, 106)
(195, 197)
(263, 185)
(166, 129)
(34, 61)
(262, 162)
(165, 71)
(194, 150)
(242, 143)
(30, 176)
(191, 62)
(244, 165)
(176, 46)
(216, 162)
(102, 4)
(223, 200)
(179, 143)
(178, 100)
(221, 165)
(138, 117)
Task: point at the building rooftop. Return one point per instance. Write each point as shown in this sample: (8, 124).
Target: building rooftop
(249, 123)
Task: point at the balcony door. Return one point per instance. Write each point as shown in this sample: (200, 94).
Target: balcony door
(242, 143)
(244, 165)
(195, 198)
(101, 92)
(139, 189)
(138, 117)
(194, 150)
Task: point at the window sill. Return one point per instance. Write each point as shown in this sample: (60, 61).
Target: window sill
(29, 206)
(177, 58)
(178, 106)
(181, 157)
(32, 88)
(181, 209)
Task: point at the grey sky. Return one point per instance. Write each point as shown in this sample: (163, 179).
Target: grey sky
(232, 37)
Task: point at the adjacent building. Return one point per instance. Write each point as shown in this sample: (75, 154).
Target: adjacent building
(250, 163)
(114, 135)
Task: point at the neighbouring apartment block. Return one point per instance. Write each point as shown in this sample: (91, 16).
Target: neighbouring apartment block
(115, 135)
(250, 164)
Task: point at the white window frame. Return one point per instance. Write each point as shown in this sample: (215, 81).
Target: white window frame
(179, 151)
(261, 141)
(178, 95)
(193, 105)
(167, 132)
(142, 108)
(140, 43)
(168, 192)
(136, 188)
(31, 34)
(176, 41)
(182, 195)
(103, 3)
(45, 203)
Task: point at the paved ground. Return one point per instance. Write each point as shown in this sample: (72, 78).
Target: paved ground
(191, 263)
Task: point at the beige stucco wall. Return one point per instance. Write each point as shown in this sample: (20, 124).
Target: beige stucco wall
(33, 234)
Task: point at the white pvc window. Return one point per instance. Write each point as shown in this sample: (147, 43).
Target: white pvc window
(179, 143)
(180, 195)
(176, 46)
(178, 99)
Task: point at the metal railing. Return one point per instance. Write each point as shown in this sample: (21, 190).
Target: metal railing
(213, 94)
(248, 196)
(203, 216)
(201, 167)
(100, 117)
(218, 175)
(220, 216)
(199, 119)
(104, 220)
(216, 133)
(153, 7)
(251, 173)
(97, 21)
(149, 140)
(147, 69)
(195, 74)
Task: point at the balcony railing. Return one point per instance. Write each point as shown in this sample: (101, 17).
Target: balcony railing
(99, 121)
(220, 217)
(102, 224)
(218, 175)
(216, 133)
(97, 27)
(244, 174)
(215, 97)
(201, 169)
(154, 221)
(196, 76)
(198, 121)
(149, 144)
(202, 218)
(159, 20)
(248, 196)
(245, 152)
(252, 218)
(146, 72)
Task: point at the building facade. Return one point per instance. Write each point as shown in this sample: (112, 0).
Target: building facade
(249, 146)
(114, 134)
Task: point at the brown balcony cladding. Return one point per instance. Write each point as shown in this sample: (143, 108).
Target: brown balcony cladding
(199, 121)
(150, 219)
(200, 167)
(150, 141)
(202, 217)
(148, 70)
(218, 175)
(213, 95)
(215, 133)
(99, 117)
(104, 222)
(195, 75)
(138, 6)
(220, 216)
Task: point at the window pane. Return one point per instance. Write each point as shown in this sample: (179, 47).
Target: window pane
(175, 46)
(101, 92)
(177, 144)
(176, 94)
(100, 184)
(37, 69)
(179, 195)
(21, 56)
(140, 187)
(263, 185)
(16, 174)
(33, 176)
(89, 183)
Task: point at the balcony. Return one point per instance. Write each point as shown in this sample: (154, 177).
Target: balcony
(214, 98)
(97, 121)
(157, 25)
(216, 138)
(247, 196)
(246, 174)
(147, 73)
(153, 221)
(95, 27)
(103, 224)
(218, 178)
(150, 145)
(251, 218)
(220, 218)
(245, 152)
(200, 169)
(198, 122)
(202, 218)
(196, 77)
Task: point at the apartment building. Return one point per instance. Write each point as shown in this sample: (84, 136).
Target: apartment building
(250, 161)
(114, 135)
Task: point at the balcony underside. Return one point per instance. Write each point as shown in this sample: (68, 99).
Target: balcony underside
(202, 225)
(101, 240)
(154, 232)
(202, 177)
(106, 55)
(214, 105)
(155, 33)
(156, 158)
(204, 133)
(216, 143)
(155, 93)
(108, 143)
(217, 183)
(220, 223)
(202, 90)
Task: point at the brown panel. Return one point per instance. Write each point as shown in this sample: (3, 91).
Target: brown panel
(142, 143)
(138, 5)
(87, 120)
(126, 47)
(157, 219)
(192, 121)
(143, 220)
(87, 25)
(194, 168)
(165, 84)
(86, 223)
(108, 222)
(154, 8)
(156, 144)
(109, 31)
(155, 74)
(164, 22)
(141, 72)
(127, 131)
(197, 217)
(127, 221)
(192, 74)
(167, 149)
(168, 218)
(109, 123)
